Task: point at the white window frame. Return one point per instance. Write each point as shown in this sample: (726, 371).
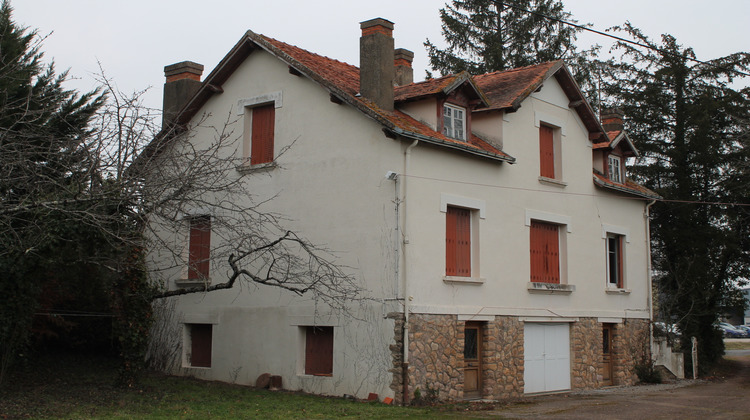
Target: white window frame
(449, 111)
(607, 232)
(620, 258)
(615, 171)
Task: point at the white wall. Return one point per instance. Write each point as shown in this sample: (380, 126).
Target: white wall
(511, 192)
(330, 187)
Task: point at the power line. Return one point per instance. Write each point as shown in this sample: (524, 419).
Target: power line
(628, 41)
(503, 187)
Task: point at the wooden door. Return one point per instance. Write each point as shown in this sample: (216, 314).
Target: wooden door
(473, 360)
(606, 369)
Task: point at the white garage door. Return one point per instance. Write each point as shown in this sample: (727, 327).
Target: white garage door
(546, 357)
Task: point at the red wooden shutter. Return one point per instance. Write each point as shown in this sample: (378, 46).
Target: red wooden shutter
(545, 252)
(546, 152)
(200, 344)
(261, 150)
(458, 242)
(200, 247)
(319, 351)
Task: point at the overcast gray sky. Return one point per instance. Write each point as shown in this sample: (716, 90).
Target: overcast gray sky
(135, 39)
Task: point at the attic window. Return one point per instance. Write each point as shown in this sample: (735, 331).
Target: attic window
(454, 122)
(615, 169)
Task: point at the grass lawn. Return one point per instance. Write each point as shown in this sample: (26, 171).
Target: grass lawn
(82, 388)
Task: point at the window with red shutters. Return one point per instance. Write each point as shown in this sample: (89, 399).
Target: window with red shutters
(261, 144)
(546, 151)
(200, 247)
(545, 252)
(458, 242)
(201, 336)
(319, 351)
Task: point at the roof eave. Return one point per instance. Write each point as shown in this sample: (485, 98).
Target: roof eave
(451, 145)
(598, 182)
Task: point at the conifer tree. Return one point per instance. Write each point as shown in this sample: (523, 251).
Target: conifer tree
(43, 158)
(491, 35)
(691, 126)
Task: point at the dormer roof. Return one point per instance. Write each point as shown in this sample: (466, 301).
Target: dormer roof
(442, 86)
(618, 138)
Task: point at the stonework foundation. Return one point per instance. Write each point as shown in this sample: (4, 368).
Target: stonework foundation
(436, 355)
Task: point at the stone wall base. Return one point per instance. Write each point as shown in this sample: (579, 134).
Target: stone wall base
(436, 355)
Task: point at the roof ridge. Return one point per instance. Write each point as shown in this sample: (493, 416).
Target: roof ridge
(516, 69)
(268, 38)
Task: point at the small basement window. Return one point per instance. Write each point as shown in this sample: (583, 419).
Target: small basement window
(318, 351)
(198, 340)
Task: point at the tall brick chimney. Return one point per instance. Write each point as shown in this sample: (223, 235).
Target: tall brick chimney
(612, 119)
(183, 81)
(376, 62)
(404, 72)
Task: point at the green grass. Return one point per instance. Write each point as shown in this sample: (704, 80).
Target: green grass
(82, 388)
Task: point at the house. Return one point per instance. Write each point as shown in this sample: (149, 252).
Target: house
(489, 217)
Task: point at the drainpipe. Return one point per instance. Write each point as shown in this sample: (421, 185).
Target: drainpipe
(404, 273)
(647, 217)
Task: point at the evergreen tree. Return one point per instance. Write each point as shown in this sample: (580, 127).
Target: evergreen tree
(490, 35)
(43, 158)
(691, 127)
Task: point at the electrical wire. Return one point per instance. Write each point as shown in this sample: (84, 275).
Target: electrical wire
(628, 41)
(502, 187)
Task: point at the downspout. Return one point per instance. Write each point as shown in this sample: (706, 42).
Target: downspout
(647, 217)
(404, 274)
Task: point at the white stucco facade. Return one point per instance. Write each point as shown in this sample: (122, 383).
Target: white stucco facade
(329, 183)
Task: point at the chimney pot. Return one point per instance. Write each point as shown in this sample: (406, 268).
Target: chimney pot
(182, 82)
(376, 62)
(404, 71)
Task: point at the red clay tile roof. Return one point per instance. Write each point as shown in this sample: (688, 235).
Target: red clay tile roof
(343, 75)
(422, 89)
(629, 187)
(343, 79)
(505, 88)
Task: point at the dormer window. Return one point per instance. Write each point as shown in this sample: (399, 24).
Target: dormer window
(615, 169)
(454, 122)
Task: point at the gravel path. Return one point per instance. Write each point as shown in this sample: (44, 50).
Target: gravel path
(728, 398)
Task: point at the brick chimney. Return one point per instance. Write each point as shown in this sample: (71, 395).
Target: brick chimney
(376, 62)
(404, 72)
(183, 81)
(612, 119)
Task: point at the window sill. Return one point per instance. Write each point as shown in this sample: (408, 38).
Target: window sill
(553, 182)
(196, 367)
(185, 283)
(247, 168)
(617, 291)
(551, 288)
(317, 375)
(463, 280)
